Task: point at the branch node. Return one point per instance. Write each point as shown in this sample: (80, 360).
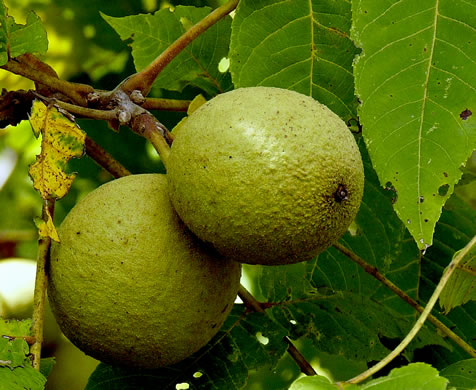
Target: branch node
(137, 97)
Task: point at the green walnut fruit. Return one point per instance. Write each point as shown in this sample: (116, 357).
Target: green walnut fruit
(266, 175)
(129, 284)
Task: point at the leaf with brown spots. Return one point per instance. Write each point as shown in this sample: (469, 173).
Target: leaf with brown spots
(61, 140)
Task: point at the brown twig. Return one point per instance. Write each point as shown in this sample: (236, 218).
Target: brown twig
(387, 283)
(76, 92)
(253, 304)
(166, 104)
(144, 79)
(106, 115)
(105, 159)
(41, 281)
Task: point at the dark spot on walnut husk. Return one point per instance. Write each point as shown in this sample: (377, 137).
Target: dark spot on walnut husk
(341, 193)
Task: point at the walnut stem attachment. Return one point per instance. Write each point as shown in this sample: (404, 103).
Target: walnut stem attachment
(387, 283)
(421, 320)
(150, 128)
(143, 80)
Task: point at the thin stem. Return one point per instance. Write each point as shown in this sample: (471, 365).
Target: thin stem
(165, 104)
(377, 275)
(84, 112)
(253, 304)
(105, 159)
(249, 300)
(77, 92)
(159, 144)
(298, 357)
(41, 281)
(421, 320)
(143, 80)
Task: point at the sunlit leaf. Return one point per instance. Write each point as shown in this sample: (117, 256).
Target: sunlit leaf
(17, 39)
(61, 140)
(415, 78)
(318, 382)
(14, 350)
(417, 376)
(296, 44)
(196, 65)
(21, 378)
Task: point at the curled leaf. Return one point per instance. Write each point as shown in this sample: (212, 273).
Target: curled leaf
(62, 140)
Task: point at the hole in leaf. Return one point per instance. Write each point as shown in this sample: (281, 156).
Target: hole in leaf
(224, 65)
(443, 190)
(197, 374)
(262, 339)
(182, 386)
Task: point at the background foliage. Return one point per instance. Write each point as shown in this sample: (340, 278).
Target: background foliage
(401, 74)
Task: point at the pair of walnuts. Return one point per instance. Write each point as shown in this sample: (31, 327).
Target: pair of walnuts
(148, 266)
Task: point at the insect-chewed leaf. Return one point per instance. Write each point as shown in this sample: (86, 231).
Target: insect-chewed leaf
(415, 78)
(17, 39)
(61, 140)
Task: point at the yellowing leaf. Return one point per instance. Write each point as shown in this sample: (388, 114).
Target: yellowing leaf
(197, 101)
(61, 140)
(47, 228)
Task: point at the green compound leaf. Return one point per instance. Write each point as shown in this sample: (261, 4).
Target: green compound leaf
(349, 325)
(301, 45)
(462, 375)
(14, 349)
(196, 65)
(21, 378)
(17, 39)
(461, 287)
(415, 78)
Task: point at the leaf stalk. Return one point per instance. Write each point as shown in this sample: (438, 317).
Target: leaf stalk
(144, 79)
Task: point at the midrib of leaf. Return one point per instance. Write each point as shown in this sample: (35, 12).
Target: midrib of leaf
(425, 98)
(313, 47)
(314, 58)
(415, 99)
